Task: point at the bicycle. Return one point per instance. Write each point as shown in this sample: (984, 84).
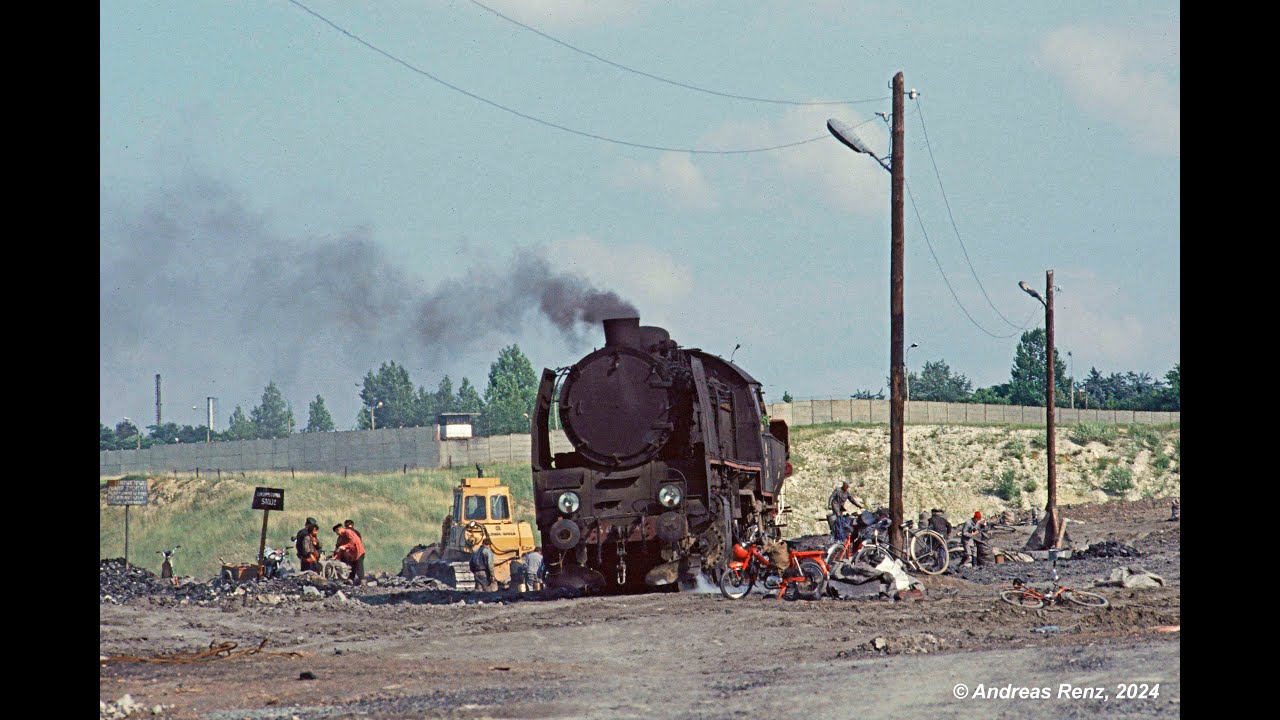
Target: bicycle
(926, 550)
(1024, 596)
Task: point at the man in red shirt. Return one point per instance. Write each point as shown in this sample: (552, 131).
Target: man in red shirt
(350, 550)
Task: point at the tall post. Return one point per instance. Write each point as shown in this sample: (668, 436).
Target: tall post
(126, 537)
(157, 399)
(262, 543)
(1051, 531)
(208, 430)
(896, 354)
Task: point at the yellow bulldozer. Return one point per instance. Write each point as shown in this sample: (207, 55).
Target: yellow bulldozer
(482, 508)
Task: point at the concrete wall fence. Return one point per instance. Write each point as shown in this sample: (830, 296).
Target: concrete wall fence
(399, 449)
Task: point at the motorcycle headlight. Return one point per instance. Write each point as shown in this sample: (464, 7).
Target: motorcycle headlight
(568, 502)
(670, 496)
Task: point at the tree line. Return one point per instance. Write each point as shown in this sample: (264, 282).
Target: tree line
(937, 382)
(388, 399)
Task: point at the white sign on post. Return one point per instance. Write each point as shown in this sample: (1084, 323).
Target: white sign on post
(127, 492)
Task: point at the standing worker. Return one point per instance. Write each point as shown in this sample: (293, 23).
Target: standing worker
(969, 532)
(482, 565)
(350, 550)
(835, 505)
(351, 527)
(534, 569)
(940, 524)
(307, 545)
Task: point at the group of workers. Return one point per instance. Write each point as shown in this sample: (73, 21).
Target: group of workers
(972, 533)
(348, 548)
(527, 571)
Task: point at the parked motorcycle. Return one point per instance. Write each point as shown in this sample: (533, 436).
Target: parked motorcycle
(804, 576)
(274, 564)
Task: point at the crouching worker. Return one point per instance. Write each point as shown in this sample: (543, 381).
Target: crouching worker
(350, 550)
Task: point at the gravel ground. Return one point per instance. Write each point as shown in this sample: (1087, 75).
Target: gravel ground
(393, 651)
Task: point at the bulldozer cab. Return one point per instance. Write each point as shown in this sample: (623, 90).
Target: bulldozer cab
(483, 500)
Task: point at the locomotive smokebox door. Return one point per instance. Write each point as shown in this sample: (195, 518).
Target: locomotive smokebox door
(615, 407)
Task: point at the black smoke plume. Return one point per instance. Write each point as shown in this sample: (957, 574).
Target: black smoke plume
(199, 288)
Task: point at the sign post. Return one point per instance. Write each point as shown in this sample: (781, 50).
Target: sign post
(126, 492)
(266, 500)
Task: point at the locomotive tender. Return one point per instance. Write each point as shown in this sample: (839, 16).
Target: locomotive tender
(674, 460)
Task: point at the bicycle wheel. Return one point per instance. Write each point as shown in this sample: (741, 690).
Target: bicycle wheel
(872, 555)
(735, 584)
(1085, 598)
(929, 551)
(1021, 598)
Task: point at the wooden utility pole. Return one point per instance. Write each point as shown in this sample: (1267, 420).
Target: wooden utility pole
(1052, 528)
(896, 353)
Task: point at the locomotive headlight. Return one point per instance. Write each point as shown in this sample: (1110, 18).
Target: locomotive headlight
(670, 496)
(568, 502)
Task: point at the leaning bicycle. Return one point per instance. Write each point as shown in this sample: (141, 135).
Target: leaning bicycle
(926, 550)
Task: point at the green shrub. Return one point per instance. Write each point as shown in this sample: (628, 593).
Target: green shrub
(1085, 433)
(1038, 442)
(1030, 486)
(1118, 482)
(1015, 448)
(1006, 486)
(1146, 436)
(1161, 461)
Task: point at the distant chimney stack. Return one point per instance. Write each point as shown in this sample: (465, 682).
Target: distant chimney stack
(157, 399)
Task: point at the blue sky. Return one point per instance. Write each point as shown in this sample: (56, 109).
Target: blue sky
(280, 202)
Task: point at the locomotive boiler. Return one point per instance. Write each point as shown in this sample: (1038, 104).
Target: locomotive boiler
(674, 459)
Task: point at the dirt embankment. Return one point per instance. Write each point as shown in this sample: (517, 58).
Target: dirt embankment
(962, 468)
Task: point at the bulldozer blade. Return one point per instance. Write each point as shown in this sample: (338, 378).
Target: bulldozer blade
(576, 577)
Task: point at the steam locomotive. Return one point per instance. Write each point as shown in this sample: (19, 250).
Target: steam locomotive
(674, 460)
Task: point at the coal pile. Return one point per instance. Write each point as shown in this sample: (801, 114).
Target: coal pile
(121, 583)
(118, 584)
(1108, 549)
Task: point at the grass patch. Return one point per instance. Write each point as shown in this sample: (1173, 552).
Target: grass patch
(853, 460)
(1146, 436)
(1118, 481)
(1039, 442)
(212, 518)
(1160, 461)
(1015, 448)
(1030, 486)
(1085, 433)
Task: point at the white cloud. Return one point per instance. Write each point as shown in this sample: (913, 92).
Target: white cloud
(673, 175)
(844, 179)
(1129, 77)
(1096, 319)
(549, 14)
(650, 278)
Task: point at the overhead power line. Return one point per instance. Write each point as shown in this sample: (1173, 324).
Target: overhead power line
(954, 227)
(540, 121)
(925, 233)
(666, 80)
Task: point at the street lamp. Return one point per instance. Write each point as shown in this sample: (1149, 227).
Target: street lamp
(906, 369)
(897, 183)
(1050, 525)
(373, 423)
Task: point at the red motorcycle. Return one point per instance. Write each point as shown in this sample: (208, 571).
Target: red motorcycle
(805, 575)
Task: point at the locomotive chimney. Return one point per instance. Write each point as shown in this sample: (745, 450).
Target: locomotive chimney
(622, 332)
